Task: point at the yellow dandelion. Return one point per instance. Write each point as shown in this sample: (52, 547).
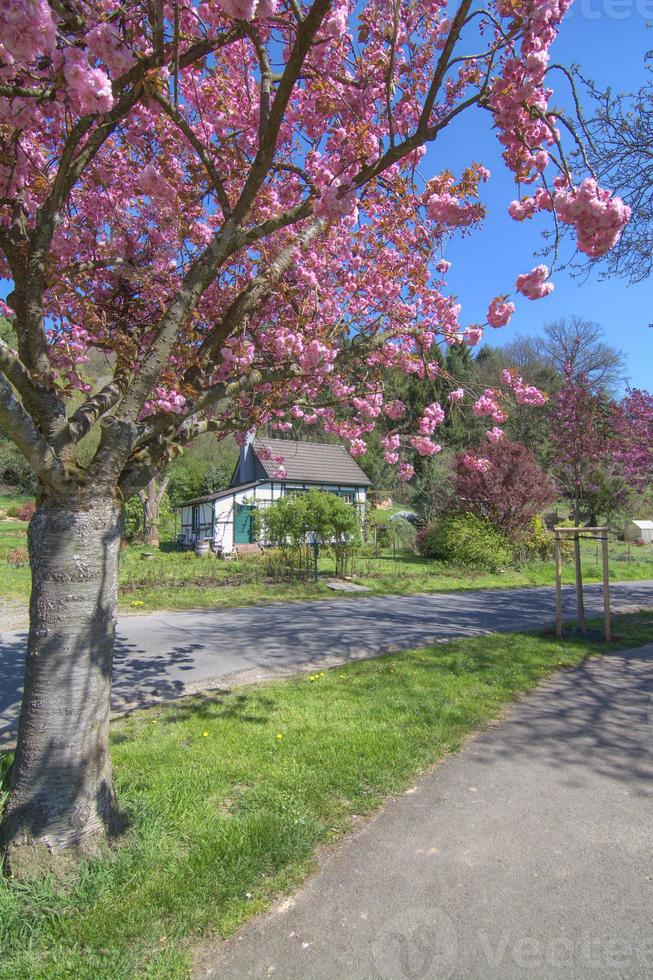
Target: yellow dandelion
(279, 735)
(205, 734)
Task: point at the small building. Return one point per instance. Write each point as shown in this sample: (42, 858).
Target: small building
(226, 517)
(639, 531)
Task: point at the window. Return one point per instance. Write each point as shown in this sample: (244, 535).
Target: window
(196, 518)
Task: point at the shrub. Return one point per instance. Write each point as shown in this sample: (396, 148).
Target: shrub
(539, 543)
(26, 511)
(466, 539)
(18, 556)
(287, 522)
(510, 492)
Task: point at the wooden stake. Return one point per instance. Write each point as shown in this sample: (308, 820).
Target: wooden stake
(606, 590)
(558, 557)
(579, 585)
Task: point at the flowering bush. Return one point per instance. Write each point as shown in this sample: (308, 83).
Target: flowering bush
(510, 490)
(26, 511)
(466, 539)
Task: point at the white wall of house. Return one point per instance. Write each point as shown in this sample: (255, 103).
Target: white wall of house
(215, 518)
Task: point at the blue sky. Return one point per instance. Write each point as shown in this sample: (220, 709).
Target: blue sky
(608, 40)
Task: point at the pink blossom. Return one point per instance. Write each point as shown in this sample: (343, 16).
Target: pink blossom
(433, 416)
(479, 464)
(456, 395)
(488, 405)
(358, 447)
(152, 183)
(473, 335)
(494, 434)
(395, 409)
(499, 312)
(391, 442)
(533, 284)
(406, 472)
(240, 9)
(443, 266)
(425, 446)
(597, 216)
(89, 87)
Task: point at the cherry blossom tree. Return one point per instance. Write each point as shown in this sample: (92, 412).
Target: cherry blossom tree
(229, 200)
(634, 430)
(585, 453)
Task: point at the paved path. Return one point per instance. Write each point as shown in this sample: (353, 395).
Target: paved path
(167, 654)
(526, 855)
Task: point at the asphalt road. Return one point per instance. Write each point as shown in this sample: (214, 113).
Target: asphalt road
(528, 854)
(167, 654)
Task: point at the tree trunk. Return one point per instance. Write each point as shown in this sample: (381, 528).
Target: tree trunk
(151, 498)
(62, 800)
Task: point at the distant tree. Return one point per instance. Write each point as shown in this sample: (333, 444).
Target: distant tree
(510, 491)
(577, 347)
(621, 153)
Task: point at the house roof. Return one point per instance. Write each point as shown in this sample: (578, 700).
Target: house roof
(229, 492)
(643, 525)
(311, 462)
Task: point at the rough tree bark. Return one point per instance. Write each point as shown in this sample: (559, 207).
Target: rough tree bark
(151, 497)
(62, 798)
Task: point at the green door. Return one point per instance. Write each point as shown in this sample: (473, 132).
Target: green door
(243, 524)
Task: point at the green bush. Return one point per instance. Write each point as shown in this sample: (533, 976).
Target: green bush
(466, 539)
(287, 522)
(538, 542)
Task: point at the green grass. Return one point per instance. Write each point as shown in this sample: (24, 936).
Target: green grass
(229, 796)
(176, 580)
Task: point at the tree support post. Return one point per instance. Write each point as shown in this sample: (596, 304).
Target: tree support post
(558, 560)
(580, 605)
(607, 627)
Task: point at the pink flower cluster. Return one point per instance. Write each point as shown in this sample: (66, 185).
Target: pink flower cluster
(433, 416)
(448, 209)
(495, 434)
(488, 405)
(456, 395)
(358, 447)
(533, 284)
(395, 409)
(597, 216)
(152, 183)
(525, 394)
(406, 471)
(425, 446)
(89, 88)
(248, 9)
(499, 312)
(479, 464)
(164, 400)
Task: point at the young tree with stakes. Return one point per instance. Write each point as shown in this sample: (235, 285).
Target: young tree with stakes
(230, 198)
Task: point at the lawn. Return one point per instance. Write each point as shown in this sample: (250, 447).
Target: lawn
(229, 796)
(179, 580)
